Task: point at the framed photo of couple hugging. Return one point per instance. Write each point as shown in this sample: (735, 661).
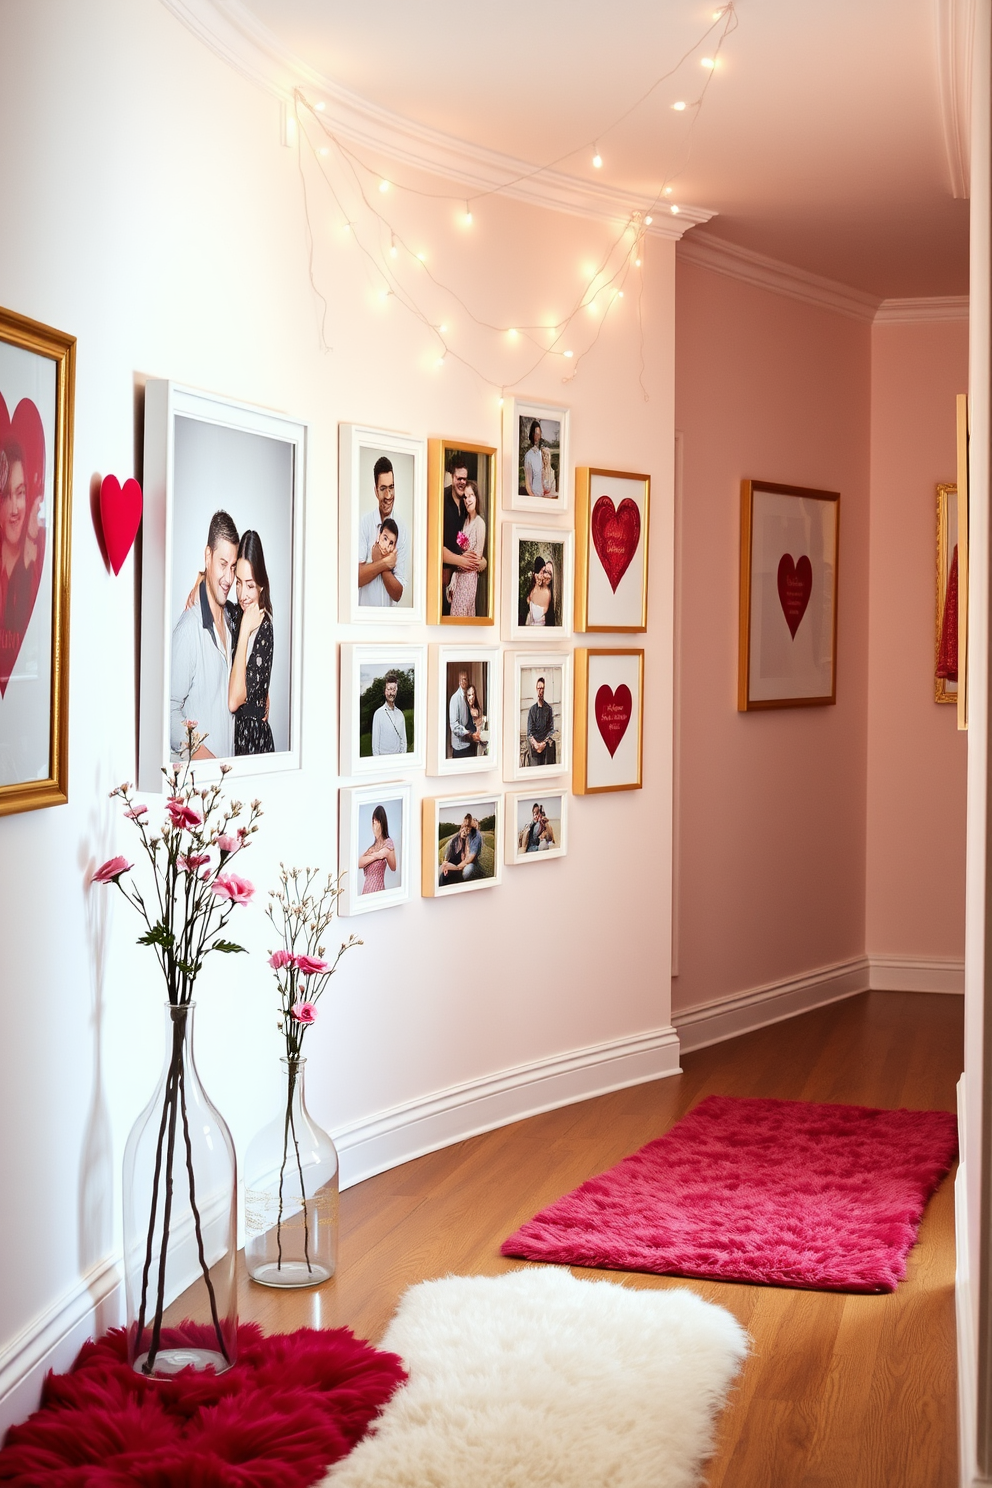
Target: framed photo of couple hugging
(221, 608)
(461, 527)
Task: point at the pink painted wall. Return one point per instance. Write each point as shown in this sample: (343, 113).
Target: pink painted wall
(771, 860)
(916, 757)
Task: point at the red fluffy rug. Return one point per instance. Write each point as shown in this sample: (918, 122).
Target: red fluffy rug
(782, 1192)
(292, 1405)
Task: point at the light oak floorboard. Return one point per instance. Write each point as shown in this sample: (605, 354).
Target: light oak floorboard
(840, 1391)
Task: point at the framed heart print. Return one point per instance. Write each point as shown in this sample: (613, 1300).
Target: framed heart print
(788, 596)
(611, 550)
(609, 710)
(36, 395)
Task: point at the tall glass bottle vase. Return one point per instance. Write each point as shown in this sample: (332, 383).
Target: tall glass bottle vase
(180, 1220)
(291, 1194)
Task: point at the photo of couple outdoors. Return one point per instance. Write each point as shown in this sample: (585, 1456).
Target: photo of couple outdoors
(465, 538)
(537, 831)
(22, 528)
(386, 505)
(539, 599)
(539, 445)
(386, 711)
(467, 846)
(468, 724)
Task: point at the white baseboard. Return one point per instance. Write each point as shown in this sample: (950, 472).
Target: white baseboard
(404, 1132)
(914, 974)
(54, 1339)
(726, 1017)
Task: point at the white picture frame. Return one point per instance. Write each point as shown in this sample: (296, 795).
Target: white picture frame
(528, 554)
(365, 667)
(445, 811)
(203, 454)
(359, 448)
(519, 414)
(518, 815)
(482, 665)
(357, 834)
(522, 670)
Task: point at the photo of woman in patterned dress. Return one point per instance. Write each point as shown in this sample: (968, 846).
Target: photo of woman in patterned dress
(251, 663)
(379, 856)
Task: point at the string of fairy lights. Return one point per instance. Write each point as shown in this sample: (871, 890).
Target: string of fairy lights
(403, 272)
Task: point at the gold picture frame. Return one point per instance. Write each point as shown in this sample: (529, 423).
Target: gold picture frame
(963, 535)
(611, 555)
(37, 384)
(606, 756)
(787, 596)
(945, 689)
(480, 462)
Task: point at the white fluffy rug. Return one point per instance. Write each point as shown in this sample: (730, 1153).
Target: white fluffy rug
(536, 1380)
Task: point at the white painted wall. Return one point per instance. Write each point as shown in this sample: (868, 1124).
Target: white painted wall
(151, 210)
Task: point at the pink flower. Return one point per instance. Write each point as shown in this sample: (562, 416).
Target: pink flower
(228, 844)
(190, 862)
(309, 965)
(136, 812)
(190, 723)
(279, 959)
(462, 540)
(230, 886)
(182, 815)
(111, 870)
(304, 1012)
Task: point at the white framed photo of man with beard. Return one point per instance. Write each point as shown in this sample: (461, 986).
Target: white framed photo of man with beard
(464, 710)
(383, 709)
(382, 502)
(536, 825)
(538, 713)
(538, 568)
(376, 831)
(461, 844)
(222, 584)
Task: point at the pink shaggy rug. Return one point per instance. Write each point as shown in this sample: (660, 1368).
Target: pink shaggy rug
(292, 1405)
(782, 1192)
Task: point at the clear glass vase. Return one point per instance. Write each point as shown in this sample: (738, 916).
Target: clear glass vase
(291, 1194)
(180, 1221)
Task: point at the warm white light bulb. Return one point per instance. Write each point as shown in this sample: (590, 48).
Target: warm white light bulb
(678, 107)
(706, 62)
(568, 353)
(422, 257)
(443, 329)
(674, 211)
(637, 263)
(393, 250)
(619, 294)
(320, 107)
(648, 221)
(467, 219)
(512, 333)
(668, 190)
(383, 185)
(597, 160)
(323, 150)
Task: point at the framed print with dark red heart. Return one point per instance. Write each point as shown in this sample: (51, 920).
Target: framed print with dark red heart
(788, 596)
(611, 550)
(36, 395)
(609, 709)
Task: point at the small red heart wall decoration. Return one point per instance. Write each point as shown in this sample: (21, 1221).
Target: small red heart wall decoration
(120, 517)
(613, 710)
(616, 531)
(795, 585)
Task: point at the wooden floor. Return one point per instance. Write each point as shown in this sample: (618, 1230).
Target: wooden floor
(839, 1391)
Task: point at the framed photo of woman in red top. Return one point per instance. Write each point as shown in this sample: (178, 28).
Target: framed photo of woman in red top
(37, 367)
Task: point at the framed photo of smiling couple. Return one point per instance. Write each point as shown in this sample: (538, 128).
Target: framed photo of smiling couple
(382, 486)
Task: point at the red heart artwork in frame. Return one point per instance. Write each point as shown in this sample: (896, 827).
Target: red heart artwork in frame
(613, 712)
(616, 531)
(120, 517)
(22, 532)
(795, 585)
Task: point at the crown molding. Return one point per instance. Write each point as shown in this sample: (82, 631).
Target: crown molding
(723, 257)
(937, 307)
(230, 29)
(955, 27)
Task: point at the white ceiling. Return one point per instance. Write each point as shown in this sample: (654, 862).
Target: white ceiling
(821, 139)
